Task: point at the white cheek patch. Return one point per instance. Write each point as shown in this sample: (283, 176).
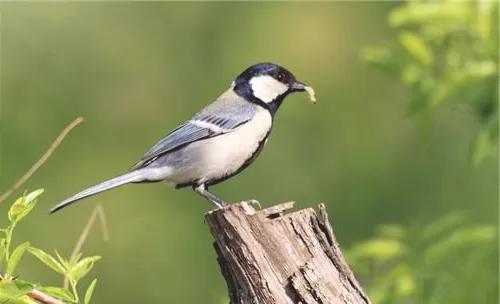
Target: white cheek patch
(266, 88)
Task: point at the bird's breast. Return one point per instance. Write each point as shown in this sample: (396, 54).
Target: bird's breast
(221, 156)
(226, 153)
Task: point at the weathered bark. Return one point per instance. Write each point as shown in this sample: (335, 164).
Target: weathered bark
(267, 257)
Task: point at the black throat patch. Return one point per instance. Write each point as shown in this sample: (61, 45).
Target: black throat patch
(246, 92)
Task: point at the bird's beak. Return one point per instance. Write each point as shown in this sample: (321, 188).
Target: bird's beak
(298, 86)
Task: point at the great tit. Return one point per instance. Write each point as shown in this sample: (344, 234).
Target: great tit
(218, 142)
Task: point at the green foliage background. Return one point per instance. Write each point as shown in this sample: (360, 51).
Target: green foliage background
(16, 291)
(136, 70)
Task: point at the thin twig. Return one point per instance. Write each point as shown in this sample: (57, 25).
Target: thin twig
(42, 160)
(43, 297)
(98, 211)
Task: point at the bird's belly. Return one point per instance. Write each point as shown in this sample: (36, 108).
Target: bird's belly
(223, 155)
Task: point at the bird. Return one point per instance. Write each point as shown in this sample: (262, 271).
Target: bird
(218, 142)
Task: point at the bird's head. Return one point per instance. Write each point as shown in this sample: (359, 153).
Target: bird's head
(268, 84)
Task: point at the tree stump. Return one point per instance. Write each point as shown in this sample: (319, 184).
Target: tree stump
(269, 257)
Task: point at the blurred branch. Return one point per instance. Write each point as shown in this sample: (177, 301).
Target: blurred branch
(97, 212)
(42, 160)
(43, 297)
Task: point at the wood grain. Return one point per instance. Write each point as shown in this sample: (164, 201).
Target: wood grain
(268, 256)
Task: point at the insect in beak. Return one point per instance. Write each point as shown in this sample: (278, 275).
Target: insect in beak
(298, 86)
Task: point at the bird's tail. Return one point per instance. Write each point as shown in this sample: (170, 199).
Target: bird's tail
(134, 176)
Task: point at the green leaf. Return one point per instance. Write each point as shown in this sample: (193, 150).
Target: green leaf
(433, 12)
(23, 205)
(15, 289)
(392, 231)
(484, 146)
(82, 268)
(416, 47)
(442, 225)
(15, 257)
(89, 292)
(457, 241)
(412, 74)
(19, 300)
(381, 294)
(380, 249)
(47, 259)
(3, 249)
(482, 69)
(420, 99)
(33, 196)
(382, 58)
(405, 286)
(447, 87)
(58, 292)
(392, 275)
(484, 19)
(399, 281)
(457, 81)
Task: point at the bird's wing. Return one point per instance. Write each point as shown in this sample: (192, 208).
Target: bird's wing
(225, 115)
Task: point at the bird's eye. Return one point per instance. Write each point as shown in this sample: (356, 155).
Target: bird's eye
(280, 76)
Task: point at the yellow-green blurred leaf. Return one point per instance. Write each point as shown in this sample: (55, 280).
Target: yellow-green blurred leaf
(398, 281)
(391, 231)
(392, 275)
(484, 18)
(416, 47)
(420, 98)
(442, 225)
(453, 59)
(411, 74)
(429, 12)
(481, 69)
(447, 87)
(2, 249)
(405, 286)
(379, 294)
(455, 82)
(456, 241)
(485, 145)
(382, 58)
(380, 249)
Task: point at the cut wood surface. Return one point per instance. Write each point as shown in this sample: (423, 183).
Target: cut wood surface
(267, 256)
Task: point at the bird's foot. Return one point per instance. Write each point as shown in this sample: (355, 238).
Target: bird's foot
(254, 203)
(219, 205)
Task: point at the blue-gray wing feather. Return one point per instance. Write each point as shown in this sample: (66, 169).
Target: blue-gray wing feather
(227, 113)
